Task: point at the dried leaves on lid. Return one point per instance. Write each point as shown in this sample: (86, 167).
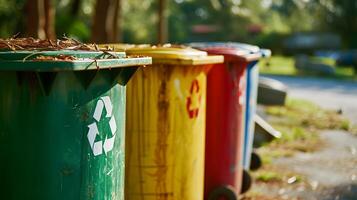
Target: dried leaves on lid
(55, 58)
(15, 44)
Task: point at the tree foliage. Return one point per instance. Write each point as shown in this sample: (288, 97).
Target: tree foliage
(11, 19)
(189, 20)
(340, 16)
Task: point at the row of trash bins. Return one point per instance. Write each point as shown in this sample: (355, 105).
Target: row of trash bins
(72, 125)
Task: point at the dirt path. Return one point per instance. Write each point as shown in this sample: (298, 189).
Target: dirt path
(331, 172)
(328, 174)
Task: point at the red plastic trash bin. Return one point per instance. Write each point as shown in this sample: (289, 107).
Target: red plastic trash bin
(224, 124)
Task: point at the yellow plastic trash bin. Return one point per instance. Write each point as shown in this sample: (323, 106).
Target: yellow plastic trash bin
(166, 111)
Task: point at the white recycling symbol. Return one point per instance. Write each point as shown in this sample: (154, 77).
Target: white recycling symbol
(108, 144)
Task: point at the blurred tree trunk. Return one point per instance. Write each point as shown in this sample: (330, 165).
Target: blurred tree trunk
(35, 19)
(49, 25)
(40, 19)
(106, 22)
(115, 33)
(162, 27)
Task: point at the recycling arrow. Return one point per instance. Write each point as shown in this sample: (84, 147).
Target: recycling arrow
(194, 100)
(108, 144)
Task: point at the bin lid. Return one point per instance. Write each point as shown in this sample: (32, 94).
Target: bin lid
(28, 55)
(67, 60)
(168, 54)
(236, 45)
(252, 48)
(266, 53)
(233, 54)
(248, 47)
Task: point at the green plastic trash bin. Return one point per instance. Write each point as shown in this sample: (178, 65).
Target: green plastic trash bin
(62, 124)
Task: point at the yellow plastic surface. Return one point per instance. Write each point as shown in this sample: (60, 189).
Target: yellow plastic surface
(165, 126)
(168, 55)
(165, 133)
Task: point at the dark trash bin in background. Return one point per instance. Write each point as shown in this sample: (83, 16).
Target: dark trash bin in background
(313, 65)
(62, 124)
(271, 92)
(264, 132)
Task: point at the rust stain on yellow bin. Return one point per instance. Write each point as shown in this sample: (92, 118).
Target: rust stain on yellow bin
(165, 133)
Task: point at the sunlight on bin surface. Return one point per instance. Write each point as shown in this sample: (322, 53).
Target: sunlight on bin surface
(166, 107)
(226, 105)
(252, 90)
(62, 124)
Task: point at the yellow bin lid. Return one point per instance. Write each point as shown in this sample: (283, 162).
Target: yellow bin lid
(167, 54)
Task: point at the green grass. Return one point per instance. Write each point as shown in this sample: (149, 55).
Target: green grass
(300, 122)
(271, 174)
(268, 176)
(284, 65)
(278, 65)
(306, 115)
(327, 61)
(347, 73)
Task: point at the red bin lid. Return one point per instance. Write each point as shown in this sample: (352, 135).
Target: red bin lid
(233, 54)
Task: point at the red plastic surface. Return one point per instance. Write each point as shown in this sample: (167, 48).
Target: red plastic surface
(233, 54)
(224, 122)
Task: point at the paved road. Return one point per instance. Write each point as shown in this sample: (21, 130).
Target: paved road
(332, 94)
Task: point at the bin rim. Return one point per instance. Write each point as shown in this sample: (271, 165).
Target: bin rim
(237, 45)
(76, 65)
(232, 54)
(172, 55)
(26, 54)
(243, 46)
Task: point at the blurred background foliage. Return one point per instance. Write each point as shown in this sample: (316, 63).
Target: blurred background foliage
(262, 22)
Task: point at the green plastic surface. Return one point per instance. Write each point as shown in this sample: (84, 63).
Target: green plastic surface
(28, 55)
(78, 65)
(47, 114)
(44, 150)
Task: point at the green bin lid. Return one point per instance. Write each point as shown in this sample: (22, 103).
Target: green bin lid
(79, 60)
(28, 55)
(168, 54)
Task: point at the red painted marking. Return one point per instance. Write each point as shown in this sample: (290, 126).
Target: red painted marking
(194, 93)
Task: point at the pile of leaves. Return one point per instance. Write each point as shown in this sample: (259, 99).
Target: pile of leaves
(17, 44)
